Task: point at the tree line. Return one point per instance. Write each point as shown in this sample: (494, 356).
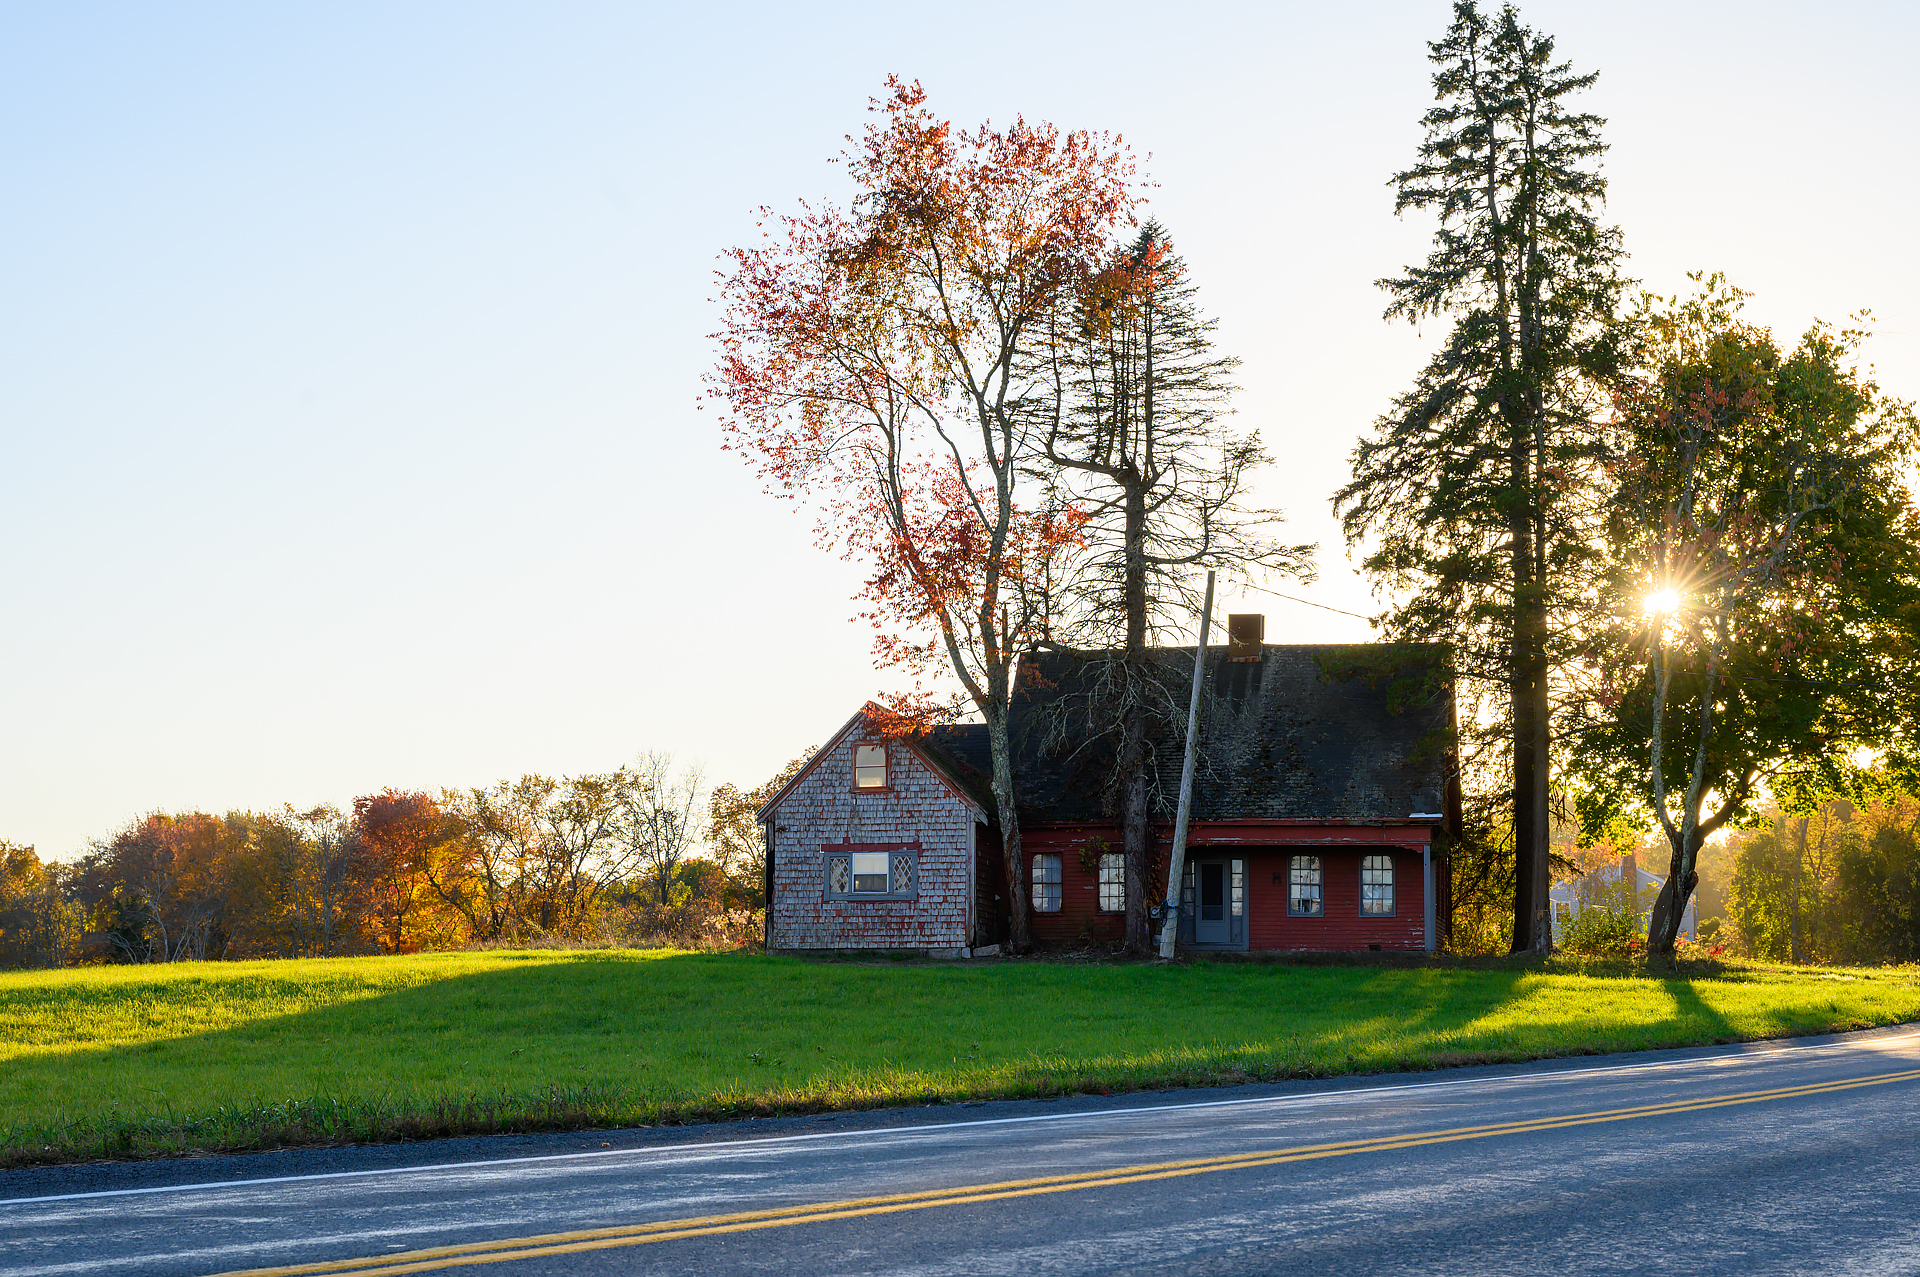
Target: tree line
(644, 852)
(1674, 561)
(1838, 883)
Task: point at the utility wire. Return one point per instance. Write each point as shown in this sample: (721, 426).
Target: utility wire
(1738, 678)
(1309, 602)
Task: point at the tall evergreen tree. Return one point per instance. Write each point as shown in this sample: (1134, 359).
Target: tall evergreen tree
(1473, 494)
(1137, 432)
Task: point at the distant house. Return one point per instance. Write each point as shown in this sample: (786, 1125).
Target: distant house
(1571, 897)
(1319, 806)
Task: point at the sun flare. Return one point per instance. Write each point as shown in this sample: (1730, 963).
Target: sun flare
(1663, 602)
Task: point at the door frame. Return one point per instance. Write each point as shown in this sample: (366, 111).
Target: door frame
(1189, 899)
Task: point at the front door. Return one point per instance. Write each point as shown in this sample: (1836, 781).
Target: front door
(1217, 902)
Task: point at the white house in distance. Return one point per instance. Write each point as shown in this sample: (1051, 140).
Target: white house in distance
(1566, 896)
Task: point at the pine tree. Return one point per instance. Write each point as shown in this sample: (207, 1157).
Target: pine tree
(1137, 431)
(1474, 493)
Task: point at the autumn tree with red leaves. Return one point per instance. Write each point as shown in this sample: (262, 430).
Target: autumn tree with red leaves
(877, 360)
(408, 839)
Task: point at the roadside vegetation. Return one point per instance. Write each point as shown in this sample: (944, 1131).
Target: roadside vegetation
(135, 1061)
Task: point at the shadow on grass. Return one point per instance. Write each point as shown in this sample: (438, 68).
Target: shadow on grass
(601, 1039)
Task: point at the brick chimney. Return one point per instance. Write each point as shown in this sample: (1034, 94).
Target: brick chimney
(1245, 631)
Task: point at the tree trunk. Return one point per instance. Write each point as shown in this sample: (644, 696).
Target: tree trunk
(1532, 930)
(1796, 932)
(1135, 841)
(1017, 904)
(1134, 828)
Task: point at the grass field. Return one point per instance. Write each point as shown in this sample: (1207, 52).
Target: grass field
(133, 1061)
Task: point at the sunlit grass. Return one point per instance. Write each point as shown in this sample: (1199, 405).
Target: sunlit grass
(124, 1061)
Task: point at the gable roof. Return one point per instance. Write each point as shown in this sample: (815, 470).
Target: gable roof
(1347, 732)
(948, 751)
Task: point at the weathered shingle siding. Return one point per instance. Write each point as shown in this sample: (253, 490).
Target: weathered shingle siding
(823, 810)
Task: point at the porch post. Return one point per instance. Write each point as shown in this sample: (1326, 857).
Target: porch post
(1426, 882)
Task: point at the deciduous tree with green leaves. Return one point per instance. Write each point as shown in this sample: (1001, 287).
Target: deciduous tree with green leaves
(1757, 620)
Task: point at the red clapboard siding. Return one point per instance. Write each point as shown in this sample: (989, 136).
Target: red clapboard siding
(1340, 927)
(1079, 919)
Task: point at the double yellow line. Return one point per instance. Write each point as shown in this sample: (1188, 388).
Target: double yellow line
(548, 1245)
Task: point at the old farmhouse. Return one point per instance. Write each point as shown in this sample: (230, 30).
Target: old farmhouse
(1320, 807)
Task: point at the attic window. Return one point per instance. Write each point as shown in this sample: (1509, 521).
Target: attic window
(869, 766)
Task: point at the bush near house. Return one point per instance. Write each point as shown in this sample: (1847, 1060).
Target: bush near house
(130, 1061)
(1610, 923)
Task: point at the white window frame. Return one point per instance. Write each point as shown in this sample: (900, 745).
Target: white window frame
(869, 767)
(1046, 883)
(1378, 897)
(1303, 873)
(899, 864)
(1111, 875)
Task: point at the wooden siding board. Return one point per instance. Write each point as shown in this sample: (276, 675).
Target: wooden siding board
(1080, 920)
(1341, 927)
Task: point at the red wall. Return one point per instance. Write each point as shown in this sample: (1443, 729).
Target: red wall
(1340, 926)
(1079, 920)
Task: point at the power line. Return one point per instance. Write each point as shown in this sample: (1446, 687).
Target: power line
(1292, 598)
(1733, 678)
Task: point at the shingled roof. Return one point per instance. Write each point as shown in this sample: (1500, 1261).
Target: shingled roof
(964, 750)
(1349, 732)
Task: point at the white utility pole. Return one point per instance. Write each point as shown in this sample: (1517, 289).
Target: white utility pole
(1177, 866)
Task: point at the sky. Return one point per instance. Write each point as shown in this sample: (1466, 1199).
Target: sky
(351, 353)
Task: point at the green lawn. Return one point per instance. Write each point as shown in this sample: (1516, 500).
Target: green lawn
(122, 1061)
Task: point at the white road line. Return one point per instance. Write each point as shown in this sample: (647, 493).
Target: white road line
(1731, 1054)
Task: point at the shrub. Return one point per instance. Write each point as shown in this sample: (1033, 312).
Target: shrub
(1608, 926)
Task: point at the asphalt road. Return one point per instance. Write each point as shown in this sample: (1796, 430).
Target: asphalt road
(1779, 1157)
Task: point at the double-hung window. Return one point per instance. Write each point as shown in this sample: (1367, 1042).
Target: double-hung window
(1376, 886)
(871, 872)
(885, 872)
(1304, 898)
(869, 766)
(1046, 884)
(1113, 883)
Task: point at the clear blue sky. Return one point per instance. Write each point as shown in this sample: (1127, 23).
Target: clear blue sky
(349, 353)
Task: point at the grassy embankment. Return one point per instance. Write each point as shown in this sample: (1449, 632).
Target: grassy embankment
(132, 1061)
